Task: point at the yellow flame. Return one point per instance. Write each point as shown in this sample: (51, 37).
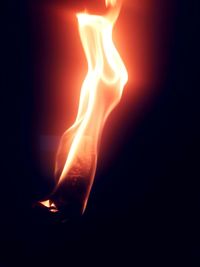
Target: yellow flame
(100, 92)
(111, 2)
(48, 204)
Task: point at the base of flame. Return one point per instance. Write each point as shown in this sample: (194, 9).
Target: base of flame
(70, 197)
(44, 215)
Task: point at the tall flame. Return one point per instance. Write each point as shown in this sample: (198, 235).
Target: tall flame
(101, 91)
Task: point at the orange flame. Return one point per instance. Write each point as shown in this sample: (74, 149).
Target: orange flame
(101, 91)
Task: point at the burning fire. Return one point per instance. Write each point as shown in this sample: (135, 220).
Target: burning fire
(101, 91)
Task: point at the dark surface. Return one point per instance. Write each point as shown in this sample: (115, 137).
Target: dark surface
(144, 207)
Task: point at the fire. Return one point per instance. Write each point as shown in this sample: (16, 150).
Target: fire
(101, 91)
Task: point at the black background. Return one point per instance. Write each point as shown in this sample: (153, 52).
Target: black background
(152, 217)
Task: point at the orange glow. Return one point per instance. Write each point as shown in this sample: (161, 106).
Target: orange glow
(101, 91)
(50, 205)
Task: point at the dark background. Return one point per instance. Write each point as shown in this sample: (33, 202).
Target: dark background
(144, 206)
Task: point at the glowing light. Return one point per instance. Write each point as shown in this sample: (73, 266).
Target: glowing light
(101, 91)
(111, 2)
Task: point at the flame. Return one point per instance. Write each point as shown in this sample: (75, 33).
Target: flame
(101, 91)
(110, 2)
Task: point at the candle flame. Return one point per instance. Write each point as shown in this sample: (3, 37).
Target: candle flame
(101, 91)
